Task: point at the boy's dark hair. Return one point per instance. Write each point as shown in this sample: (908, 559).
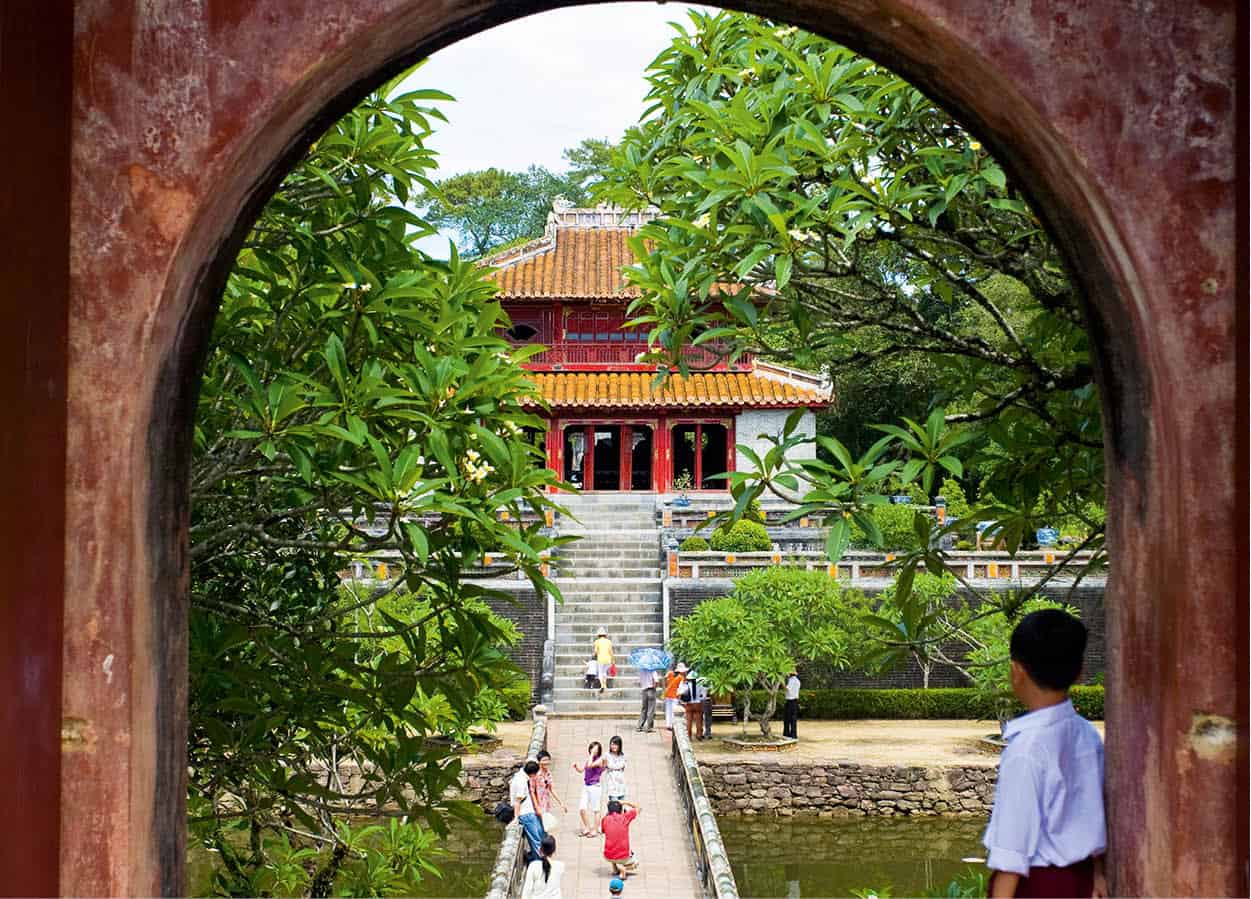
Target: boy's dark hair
(614, 807)
(543, 754)
(1049, 644)
(531, 767)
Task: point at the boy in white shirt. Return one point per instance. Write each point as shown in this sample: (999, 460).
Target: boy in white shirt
(1047, 833)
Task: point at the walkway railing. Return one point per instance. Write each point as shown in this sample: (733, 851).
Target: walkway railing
(510, 867)
(711, 862)
(972, 565)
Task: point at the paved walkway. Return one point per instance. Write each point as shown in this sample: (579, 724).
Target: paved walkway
(658, 836)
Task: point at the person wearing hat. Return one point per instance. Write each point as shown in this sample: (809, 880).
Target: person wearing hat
(616, 886)
(603, 656)
(673, 683)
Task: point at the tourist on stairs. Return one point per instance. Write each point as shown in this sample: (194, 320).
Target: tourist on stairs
(543, 876)
(588, 805)
(673, 683)
(694, 707)
(603, 657)
(647, 686)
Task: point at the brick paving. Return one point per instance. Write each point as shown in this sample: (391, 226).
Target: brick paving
(658, 836)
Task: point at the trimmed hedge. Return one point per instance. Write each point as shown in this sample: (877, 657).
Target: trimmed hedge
(744, 537)
(694, 544)
(938, 702)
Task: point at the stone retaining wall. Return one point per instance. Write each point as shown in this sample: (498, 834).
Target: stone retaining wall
(774, 788)
(487, 785)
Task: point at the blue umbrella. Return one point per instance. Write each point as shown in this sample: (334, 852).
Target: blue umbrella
(651, 658)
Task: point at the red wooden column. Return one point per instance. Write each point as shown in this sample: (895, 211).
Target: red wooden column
(555, 449)
(35, 67)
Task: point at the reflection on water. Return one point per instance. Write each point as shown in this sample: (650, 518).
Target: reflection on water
(465, 868)
(811, 857)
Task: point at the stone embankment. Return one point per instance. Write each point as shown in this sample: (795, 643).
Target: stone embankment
(486, 783)
(773, 788)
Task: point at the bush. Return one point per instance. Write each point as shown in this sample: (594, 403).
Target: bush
(694, 544)
(517, 697)
(895, 523)
(745, 536)
(940, 702)
(957, 502)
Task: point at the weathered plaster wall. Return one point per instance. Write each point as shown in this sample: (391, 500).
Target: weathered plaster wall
(1118, 119)
(749, 425)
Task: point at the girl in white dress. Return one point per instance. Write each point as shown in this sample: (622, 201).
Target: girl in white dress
(614, 777)
(543, 874)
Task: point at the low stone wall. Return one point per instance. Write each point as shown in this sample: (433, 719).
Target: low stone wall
(764, 788)
(486, 784)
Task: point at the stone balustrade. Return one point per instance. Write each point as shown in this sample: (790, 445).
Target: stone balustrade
(711, 862)
(510, 867)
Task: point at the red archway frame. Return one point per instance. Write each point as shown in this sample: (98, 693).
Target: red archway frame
(184, 117)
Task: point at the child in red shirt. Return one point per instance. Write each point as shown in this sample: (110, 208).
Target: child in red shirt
(616, 829)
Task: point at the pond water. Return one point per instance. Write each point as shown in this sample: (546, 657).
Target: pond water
(465, 869)
(810, 857)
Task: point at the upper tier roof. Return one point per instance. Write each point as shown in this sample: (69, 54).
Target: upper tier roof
(579, 257)
(766, 385)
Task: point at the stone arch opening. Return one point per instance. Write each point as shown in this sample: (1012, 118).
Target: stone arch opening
(273, 74)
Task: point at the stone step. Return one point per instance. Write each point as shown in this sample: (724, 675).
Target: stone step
(599, 551)
(613, 585)
(625, 534)
(623, 690)
(578, 611)
(601, 571)
(625, 628)
(578, 653)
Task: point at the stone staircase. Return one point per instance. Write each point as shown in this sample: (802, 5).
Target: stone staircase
(611, 579)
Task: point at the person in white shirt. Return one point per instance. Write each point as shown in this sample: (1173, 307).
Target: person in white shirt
(1047, 832)
(523, 793)
(647, 714)
(790, 715)
(543, 876)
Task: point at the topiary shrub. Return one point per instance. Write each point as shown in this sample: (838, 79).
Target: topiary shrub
(694, 544)
(754, 512)
(895, 523)
(744, 537)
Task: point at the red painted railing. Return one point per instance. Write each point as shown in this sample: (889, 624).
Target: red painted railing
(624, 354)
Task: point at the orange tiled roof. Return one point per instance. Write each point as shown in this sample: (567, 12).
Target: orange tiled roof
(575, 263)
(564, 390)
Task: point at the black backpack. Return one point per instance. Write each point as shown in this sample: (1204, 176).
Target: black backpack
(503, 812)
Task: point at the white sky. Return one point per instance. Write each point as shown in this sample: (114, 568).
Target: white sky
(527, 90)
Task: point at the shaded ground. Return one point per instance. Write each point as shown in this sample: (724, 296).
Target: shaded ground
(870, 742)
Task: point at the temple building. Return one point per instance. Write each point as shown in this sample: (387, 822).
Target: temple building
(610, 427)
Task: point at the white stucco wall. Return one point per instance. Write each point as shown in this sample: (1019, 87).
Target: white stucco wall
(748, 426)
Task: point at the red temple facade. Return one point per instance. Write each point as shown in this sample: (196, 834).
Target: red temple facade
(610, 426)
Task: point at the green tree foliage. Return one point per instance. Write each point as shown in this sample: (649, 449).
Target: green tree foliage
(492, 207)
(356, 402)
(588, 162)
(753, 638)
(860, 223)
